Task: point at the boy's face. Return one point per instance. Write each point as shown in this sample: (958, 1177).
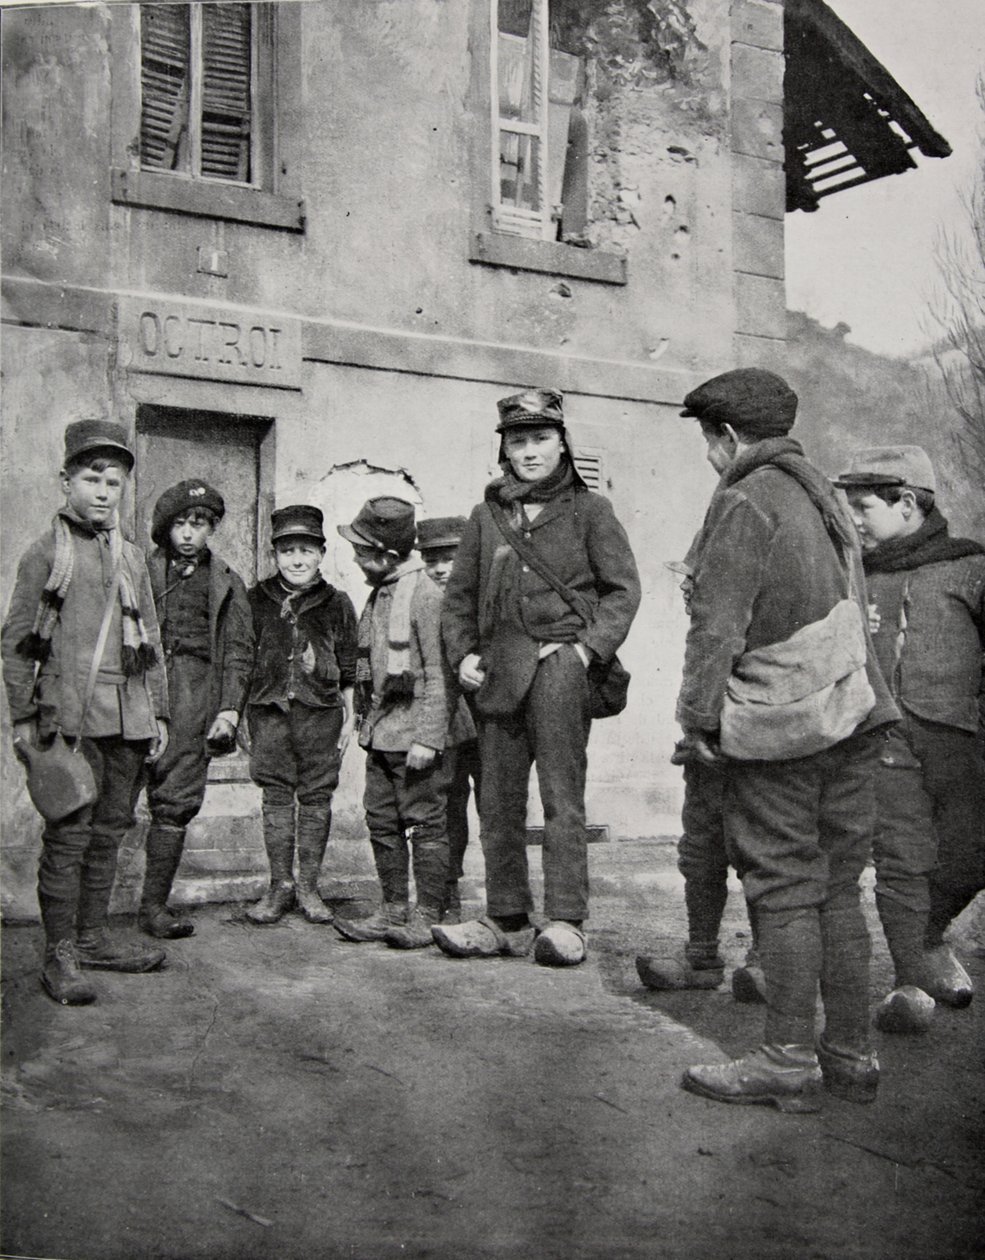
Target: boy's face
(298, 559)
(878, 521)
(93, 495)
(375, 564)
(438, 564)
(533, 453)
(190, 531)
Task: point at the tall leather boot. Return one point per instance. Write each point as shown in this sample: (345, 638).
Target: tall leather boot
(163, 853)
(314, 824)
(278, 840)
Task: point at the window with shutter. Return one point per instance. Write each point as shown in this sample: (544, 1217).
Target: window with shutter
(197, 70)
(589, 465)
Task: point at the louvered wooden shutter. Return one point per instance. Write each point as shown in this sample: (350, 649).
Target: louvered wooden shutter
(227, 105)
(164, 85)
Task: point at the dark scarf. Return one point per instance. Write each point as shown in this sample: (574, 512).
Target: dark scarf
(931, 543)
(787, 454)
(509, 489)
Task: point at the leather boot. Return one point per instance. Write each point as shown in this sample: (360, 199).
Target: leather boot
(314, 824)
(163, 853)
(389, 915)
(849, 1073)
(278, 840)
(416, 932)
(783, 1076)
(61, 978)
(97, 949)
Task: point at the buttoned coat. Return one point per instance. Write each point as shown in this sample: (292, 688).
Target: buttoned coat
(577, 536)
(230, 631)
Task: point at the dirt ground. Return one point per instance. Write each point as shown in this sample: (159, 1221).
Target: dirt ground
(278, 1093)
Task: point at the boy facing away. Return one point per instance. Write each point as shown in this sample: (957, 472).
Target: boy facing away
(207, 635)
(437, 541)
(78, 577)
(300, 710)
(927, 617)
(404, 725)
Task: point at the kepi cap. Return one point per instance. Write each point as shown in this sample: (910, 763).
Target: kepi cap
(532, 407)
(440, 531)
(890, 466)
(97, 434)
(752, 400)
(386, 523)
(186, 496)
(297, 520)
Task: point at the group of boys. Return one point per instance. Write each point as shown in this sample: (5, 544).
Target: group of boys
(150, 666)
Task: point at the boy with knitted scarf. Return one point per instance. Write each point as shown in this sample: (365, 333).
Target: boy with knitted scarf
(403, 698)
(67, 581)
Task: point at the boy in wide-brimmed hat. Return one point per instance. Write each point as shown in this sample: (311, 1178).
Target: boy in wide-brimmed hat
(404, 698)
(207, 634)
(82, 609)
(300, 710)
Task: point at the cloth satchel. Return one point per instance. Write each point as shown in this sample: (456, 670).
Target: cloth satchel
(59, 778)
(608, 681)
(798, 697)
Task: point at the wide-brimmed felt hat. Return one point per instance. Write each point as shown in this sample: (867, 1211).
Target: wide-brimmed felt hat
(440, 531)
(385, 523)
(758, 403)
(186, 496)
(297, 520)
(889, 466)
(95, 434)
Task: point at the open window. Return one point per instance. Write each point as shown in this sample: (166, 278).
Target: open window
(537, 150)
(209, 79)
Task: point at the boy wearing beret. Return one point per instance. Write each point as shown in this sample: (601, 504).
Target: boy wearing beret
(437, 541)
(927, 616)
(81, 657)
(300, 710)
(404, 697)
(207, 636)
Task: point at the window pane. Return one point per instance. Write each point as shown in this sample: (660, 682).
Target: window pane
(164, 86)
(227, 105)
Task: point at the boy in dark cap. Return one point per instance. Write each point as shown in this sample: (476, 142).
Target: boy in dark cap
(927, 593)
(403, 705)
(782, 688)
(207, 634)
(525, 651)
(437, 541)
(300, 710)
(81, 656)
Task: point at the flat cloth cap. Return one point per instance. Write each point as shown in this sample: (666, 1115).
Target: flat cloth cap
(186, 496)
(297, 520)
(758, 403)
(385, 523)
(890, 466)
(440, 531)
(532, 407)
(97, 434)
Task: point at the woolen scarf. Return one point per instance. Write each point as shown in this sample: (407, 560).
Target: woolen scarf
(398, 687)
(928, 545)
(137, 654)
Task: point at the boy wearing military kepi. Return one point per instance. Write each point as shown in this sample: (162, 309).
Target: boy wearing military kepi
(300, 710)
(207, 636)
(81, 657)
(927, 599)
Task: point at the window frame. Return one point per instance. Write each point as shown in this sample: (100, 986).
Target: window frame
(488, 243)
(271, 200)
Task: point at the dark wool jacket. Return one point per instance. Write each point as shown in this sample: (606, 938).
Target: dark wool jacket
(935, 672)
(230, 631)
(305, 651)
(765, 566)
(578, 537)
(120, 705)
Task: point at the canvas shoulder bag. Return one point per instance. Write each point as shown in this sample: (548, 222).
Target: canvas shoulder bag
(803, 695)
(608, 681)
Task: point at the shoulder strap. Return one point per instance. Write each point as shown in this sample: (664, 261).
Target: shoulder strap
(97, 655)
(529, 554)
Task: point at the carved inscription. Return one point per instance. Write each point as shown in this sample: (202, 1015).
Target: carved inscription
(214, 344)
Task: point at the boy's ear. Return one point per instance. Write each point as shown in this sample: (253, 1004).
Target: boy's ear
(908, 500)
(731, 434)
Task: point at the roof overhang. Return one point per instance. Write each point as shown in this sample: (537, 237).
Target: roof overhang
(846, 121)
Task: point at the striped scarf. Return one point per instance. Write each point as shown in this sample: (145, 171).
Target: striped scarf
(138, 654)
(398, 687)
